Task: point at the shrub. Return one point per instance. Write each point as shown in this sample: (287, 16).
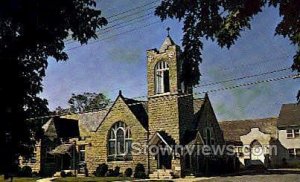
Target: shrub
(110, 173)
(26, 171)
(128, 172)
(63, 174)
(101, 170)
(139, 171)
(117, 171)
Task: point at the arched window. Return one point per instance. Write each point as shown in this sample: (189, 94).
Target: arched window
(208, 136)
(162, 79)
(119, 142)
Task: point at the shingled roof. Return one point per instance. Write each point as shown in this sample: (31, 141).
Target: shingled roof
(139, 109)
(289, 115)
(61, 128)
(232, 130)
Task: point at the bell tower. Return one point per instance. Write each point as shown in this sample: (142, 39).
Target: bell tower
(170, 107)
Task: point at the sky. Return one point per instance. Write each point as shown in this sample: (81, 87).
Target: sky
(117, 61)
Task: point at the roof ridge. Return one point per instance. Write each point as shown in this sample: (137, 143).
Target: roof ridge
(250, 119)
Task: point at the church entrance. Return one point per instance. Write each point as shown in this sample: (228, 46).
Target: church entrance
(257, 152)
(164, 159)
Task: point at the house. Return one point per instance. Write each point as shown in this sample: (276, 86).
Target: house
(128, 131)
(273, 142)
(288, 126)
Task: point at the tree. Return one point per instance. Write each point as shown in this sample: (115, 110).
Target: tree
(87, 102)
(31, 32)
(223, 21)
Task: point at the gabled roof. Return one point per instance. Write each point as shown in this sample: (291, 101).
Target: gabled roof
(289, 115)
(61, 128)
(139, 109)
(232, 130)
(167, 42)
(62, 149)
(92, 120)
(162, 136)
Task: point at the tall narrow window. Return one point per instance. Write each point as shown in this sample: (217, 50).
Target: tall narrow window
(119, 142)
(162, 78)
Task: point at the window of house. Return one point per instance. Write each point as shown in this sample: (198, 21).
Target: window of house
(296, 133)
(208, 136)
(162, 80)
(297, 152)
(119, 142)
(32, 158)
(81, 153)
(291, 153)
(292, 133)
(289, 133)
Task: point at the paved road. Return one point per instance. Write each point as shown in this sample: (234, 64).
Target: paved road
(257, 178)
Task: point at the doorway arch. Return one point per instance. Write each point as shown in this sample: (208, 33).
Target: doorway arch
(257, 151)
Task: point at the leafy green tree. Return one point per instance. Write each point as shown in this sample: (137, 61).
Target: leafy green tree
(87, 102)
(31, 31)
(223, 21)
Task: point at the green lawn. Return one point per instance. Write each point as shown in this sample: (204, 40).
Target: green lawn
(19, 179)
(91, 179)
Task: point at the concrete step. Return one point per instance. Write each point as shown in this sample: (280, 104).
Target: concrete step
(162, 174)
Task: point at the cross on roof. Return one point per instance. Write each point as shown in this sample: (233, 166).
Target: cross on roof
(168, 29)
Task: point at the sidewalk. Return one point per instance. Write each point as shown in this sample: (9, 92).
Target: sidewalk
(46, 179)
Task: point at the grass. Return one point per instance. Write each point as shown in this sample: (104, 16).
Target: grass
(91, 179)
(99, 179)
(20, 179)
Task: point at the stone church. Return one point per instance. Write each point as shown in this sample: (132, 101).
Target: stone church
(123, 133)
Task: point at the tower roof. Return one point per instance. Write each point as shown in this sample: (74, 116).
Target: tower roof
(168, 42)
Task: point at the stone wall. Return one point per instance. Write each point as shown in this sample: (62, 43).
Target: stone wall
(171, 57)
(163, 115)
(36, 165)
(186, 114)
(96, 153)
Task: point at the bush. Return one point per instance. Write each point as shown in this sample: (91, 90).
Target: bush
(110, 173)
(101, 170)
(128, 172)
(139, 171)
(63, 174)
(26, 171)
(117, 171)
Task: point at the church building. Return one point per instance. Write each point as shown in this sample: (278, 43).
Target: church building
(122, 135)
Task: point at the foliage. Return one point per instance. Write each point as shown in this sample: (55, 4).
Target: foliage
(223, 21)
(25, 171)
(114, 172)
(101, 170)
(128, 172)
(139, 171)
(31, 32)
(87, 102)
(110, 173)
(63, 174)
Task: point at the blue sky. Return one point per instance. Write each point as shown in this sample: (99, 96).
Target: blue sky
(114, 63)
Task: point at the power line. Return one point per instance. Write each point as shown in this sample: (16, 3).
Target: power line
(244, 77)
(129, 15)
(135, 8)
(107, 38)
(123, 17)
(248, 84)
(117, 26)
(184, 95)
